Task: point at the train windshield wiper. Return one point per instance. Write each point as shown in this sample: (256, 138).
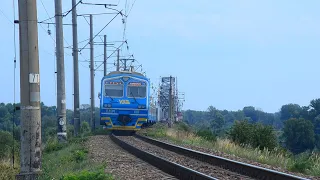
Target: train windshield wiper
(109, 96)
(134, 98)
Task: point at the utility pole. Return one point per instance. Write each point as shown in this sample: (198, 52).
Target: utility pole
(30, 153)
(93, 124)
(76, 98)
(118, 60)
(61, 92)
(105, 56)
(170, 103)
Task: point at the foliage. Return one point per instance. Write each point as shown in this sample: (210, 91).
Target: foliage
(206, 134)
(278, 157)
(86, 175)
(255, 135)
(241, 132)
(290, 111)
(301, 163)
(7, 172)
(70, 162)
(85, 127)
(299, 135)
(183, 127)
(53, 145)
(158, 130)
(6, 142)
(264, 137)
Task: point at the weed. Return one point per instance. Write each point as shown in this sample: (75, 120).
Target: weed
(302, 163)
(53, 145)
(86, 175)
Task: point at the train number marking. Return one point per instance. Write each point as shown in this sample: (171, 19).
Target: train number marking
(124, 101)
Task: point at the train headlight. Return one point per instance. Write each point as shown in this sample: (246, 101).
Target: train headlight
(107, 105)
(141, 106)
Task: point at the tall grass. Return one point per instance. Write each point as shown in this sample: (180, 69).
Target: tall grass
(71, 162)
(6, 170)
(307, 164)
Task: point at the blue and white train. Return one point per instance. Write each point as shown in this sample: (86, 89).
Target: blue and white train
(125, 101)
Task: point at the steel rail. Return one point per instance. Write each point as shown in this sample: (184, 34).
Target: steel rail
(171, 168)
(235, 166)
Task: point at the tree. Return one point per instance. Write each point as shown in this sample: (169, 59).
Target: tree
(299, 135)
(217, 123)
(216, 119)
(290, 111)
(241, 132)
(250, 111)
(315, 104)
(263, 137)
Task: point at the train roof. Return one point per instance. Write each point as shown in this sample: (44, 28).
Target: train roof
(125, 72)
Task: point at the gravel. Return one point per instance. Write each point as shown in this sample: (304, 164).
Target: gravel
(120, 163)
(191, 163)
(233, 157)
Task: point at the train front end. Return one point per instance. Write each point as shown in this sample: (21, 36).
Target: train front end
(124, 101)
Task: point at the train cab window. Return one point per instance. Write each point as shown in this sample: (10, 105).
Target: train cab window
(113, 90)
(137, 91)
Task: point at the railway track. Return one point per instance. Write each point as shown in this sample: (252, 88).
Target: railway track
(185, 163)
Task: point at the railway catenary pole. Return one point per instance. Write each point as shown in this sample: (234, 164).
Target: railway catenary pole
(30, 153)
(93, 124)
(118, 60)
(76, 98)
(105, 56)
(170, 103)
(61, 92)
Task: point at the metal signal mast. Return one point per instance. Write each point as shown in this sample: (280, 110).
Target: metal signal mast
(169, 102)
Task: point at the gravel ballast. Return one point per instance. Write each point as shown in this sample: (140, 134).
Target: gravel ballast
(120, 163)
(233, 157)
(191, 163)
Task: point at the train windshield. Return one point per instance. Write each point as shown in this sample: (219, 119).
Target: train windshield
(113, 90)
(137, 91)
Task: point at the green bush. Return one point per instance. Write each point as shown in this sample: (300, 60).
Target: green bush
(206, 134)
(299, 135)
(85, 127)
(255, 135)
(264, 137)
(7, 172)
(77, 140)
(53, 145)
(302, 163)
(241, 132)
(6, 141)
(86, 175)
(80, 155)
(70, 131)
(183, 127)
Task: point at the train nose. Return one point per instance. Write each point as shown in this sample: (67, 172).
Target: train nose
(124, 119)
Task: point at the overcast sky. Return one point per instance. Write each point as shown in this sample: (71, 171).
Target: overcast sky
(228, 54)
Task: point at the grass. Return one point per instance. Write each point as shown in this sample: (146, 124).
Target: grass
(71, 163)
(6, 170)
(308, 164)
(66, 162)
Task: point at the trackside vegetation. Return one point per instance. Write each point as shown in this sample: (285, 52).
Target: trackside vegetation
(242, 141)
(59, 161)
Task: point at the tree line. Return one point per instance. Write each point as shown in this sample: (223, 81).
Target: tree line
(296, 128)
